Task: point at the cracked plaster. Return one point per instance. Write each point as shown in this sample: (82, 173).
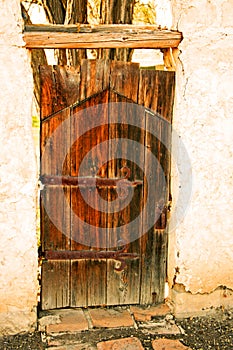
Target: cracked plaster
(18, 245)
(202, 246)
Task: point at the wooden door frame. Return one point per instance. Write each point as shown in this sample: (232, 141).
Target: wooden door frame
(86, 36)
(104, 36)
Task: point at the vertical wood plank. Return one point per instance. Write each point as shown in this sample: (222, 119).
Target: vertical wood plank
(148, 89)
(151, 197)
(94, 77)
(124, 79)
(154, 243)
(158, 265)
(78, 283)
(55, 284)
(84, 116)
(147, 96)
(55, 133)
(55, 235)
(59, 88)
(96, 283)
(94, 80)
(123, 286)
(82, 237)
(166, 92)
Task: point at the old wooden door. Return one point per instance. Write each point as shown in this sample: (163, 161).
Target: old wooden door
(105, 167)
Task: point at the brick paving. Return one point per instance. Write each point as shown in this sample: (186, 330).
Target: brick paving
(168, 344)
(73, 347)
(120, 344)
(59, 325)
(146, 314)
(111, 318)
(69, 321)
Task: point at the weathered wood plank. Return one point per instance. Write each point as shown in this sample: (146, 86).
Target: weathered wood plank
(55, 214)
(92, 28)
(99, 36)
(96, 282)
(59, 88)
(94, 79)
(123, 286)
(166, 91)
(152, 196)
(84, 116)
(148, 89)
(55, 274)
(54, 133)
(159, 265)
(154, 243)
(55, 284)
(51, 201)
(78, 283)
(55, 219)
(124, 79)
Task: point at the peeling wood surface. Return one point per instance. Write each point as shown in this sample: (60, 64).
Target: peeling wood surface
(91, 28)
(99, 36)
(90, 282)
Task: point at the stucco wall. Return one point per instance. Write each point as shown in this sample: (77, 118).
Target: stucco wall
(18, 247)
(201, 248)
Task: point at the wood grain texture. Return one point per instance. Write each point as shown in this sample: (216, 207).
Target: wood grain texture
(78, 282)
(93, 80)
(156, 92)
(121, 286)
(81, 148)
(124, 79)
(56, 285)
(55, 213)
(94, 77)
(96, 28)
(101, 36)
(91, 282)
(116, 12)
(54, 136)
(59, 88)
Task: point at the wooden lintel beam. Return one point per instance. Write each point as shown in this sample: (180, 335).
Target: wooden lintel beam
(83, 36)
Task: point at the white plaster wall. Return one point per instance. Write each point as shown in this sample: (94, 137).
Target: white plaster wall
(18, 246)
(163, 13)
(203, 117)
(202, 245)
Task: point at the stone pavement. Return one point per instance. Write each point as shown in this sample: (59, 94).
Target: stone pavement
(115, 328)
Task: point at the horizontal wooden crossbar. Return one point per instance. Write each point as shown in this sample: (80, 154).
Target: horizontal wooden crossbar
(85, 36)
(119, 256)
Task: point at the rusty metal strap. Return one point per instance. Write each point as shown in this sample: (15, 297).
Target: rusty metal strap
(88, 181)
(119, 255)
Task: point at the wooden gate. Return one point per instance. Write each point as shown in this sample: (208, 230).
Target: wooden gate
(97, 148)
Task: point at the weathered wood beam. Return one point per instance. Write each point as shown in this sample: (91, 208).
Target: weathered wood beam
(99, 36)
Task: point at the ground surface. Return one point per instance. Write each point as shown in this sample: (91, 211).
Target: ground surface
(198, 333)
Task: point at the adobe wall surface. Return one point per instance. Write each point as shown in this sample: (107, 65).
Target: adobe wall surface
(200, 258)
(18, 246)
(201, 265)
